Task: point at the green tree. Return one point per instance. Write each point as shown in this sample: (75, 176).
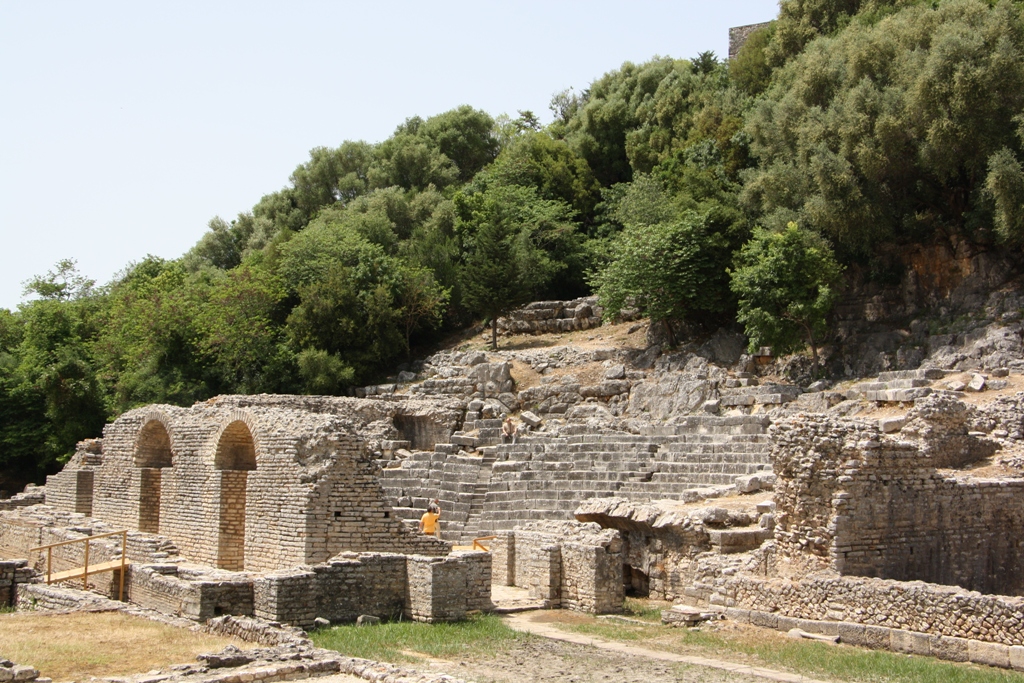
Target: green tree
(514, 244)
(668, 271)
(1005, 185)
(886, 130)
(787, 283)
(421, 301)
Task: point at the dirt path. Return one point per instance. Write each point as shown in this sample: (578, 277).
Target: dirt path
(545, 660)
(726, 671)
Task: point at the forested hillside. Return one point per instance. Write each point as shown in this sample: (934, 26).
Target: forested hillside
(700, 191)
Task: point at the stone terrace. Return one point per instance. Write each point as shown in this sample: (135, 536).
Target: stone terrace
(485, 488)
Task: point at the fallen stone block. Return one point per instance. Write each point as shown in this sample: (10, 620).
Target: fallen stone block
(888, 425)
(530, 418)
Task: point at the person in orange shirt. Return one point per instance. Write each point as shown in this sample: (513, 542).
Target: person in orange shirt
(429, 523)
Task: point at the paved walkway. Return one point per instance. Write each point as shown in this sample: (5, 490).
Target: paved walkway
(523, 622)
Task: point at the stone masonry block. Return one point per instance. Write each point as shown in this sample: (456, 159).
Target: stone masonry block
(910, 642)
(990, 654)
(947, 647)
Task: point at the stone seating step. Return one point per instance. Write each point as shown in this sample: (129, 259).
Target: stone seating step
(920, 373)
(897, 395)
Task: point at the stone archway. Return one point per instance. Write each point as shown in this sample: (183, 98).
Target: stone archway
(234, 458)
(152, 455)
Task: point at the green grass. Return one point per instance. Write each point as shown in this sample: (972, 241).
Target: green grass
(642, 609)
(409, 641)
(805, 657)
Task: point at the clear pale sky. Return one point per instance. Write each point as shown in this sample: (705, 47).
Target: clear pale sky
(126, 126)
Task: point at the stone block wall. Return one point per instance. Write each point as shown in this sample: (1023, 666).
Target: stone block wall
(590, 576)
(478, 578)
(253, 483)
(538, 567)
(384, 585)
(12, 573)
(71, 490)
(870, 504)
(738, 35)
(564, 564)
(503, 558)
(930, 610)
(435, 585)
(32, 495)
(159, 587)
(543, 317)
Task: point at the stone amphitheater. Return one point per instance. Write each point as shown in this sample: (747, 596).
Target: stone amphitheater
(886, 512)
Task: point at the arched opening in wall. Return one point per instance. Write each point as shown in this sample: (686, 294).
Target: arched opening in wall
(420, 431)
(152, 455)
(637, 583)
(235, 458)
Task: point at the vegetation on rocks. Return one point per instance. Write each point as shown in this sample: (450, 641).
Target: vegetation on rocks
(870, 124)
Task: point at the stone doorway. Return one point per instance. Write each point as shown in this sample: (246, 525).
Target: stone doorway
(234, 459)
(152, 456)
(637, 583)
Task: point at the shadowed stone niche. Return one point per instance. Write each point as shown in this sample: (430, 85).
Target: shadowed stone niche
(421, 431)
(234, 459)
(152, 454)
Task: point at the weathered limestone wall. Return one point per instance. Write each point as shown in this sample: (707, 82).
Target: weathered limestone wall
(738, 36)
(12, 573)
(564, 564)
(160, 587)
(32, 495)
(544, 317)
(912, 606)
(538, 567)
(71, 488)
(384, 585)
(870, 504)
(254, 483)
(503, 558)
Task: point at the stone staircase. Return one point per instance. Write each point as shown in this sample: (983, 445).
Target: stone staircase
(499, 486)
(897, 386)
(745, 391)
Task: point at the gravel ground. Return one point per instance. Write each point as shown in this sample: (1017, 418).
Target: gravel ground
(548, 660)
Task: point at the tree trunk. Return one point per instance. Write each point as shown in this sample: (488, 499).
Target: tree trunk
(494, 333)
(814, 352)
(671, 334)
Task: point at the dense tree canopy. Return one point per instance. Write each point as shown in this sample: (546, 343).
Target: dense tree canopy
(869, 123)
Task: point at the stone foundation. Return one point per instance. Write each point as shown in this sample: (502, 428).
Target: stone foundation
(564, 564)
(545, 317)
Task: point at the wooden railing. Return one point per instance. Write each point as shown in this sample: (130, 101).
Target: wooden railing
(84, 571)
(477, 545)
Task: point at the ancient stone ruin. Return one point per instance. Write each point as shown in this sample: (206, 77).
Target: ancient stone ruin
(885, 512)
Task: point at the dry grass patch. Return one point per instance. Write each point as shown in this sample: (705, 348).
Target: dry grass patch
(76, 646)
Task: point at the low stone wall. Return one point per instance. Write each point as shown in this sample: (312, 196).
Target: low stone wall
(384, 585)
(256, 631)
(41, 596)
(544, 317)
(20, 673)
(159, 587)
(12, 573)
(872, 504)
(915, 617)
(32, 495)
(564, 564)
(71, 490)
